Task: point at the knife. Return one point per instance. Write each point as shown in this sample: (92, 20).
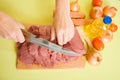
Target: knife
(47, 44)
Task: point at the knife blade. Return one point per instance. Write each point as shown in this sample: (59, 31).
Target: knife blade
(47, 44)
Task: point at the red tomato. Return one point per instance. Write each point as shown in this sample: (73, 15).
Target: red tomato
(98, 43)
(97, 2)
(113, 27)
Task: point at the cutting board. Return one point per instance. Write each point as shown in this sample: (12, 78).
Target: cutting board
(40, 12)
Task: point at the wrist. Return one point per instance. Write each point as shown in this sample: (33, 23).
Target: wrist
(63, 6)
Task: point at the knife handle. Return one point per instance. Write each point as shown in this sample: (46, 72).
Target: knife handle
(26, 35)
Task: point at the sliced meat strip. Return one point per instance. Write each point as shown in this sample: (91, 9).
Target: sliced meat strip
(76, 44)
(24, 55)
(33, 49)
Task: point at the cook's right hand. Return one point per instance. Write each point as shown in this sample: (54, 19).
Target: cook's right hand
(10, 28)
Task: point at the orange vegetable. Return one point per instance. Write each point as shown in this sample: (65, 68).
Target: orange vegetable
(74, 6)
(109, 11)
(77, 15)
(113, 27)
(97, 2)
(96, 12)
(98, 43)
(81, 22)
(94, 57)
(107, 36)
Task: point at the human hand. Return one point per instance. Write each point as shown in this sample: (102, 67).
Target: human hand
(10, 28)
(63, 28)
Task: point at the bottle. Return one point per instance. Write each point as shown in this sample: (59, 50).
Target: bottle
(97, 27)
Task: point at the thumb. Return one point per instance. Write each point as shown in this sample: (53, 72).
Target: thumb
(52, 33)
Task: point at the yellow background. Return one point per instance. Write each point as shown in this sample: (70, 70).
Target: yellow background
(40, 12)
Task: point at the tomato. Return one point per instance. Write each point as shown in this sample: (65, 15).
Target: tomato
(98, 43)
(113, 27)
(97, 2)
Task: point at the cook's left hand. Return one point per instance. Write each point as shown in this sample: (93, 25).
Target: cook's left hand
(63, 26)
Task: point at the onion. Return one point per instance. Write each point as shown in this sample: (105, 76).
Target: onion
(94, 58)
(109, 11)
(74, 6)
(96, 12)
(107, 36)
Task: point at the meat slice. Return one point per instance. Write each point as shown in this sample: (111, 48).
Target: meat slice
(24, 55)
(30, 53)
(33, 49)
(43, 53)
(76, 44)
(34, 29)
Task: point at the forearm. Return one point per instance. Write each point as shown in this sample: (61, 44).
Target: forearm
(63, 6)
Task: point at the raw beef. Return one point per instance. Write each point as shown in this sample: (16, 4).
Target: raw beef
(30, 53)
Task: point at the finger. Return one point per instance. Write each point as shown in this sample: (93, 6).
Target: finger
(13, 37)
(17, 24)
(11, 20)
(52, 33)
(1, 32)
(6, 32)
(10, 37)
(3, 35)
(20, 37)
(10, 34)
(60, 37)
(65, 38)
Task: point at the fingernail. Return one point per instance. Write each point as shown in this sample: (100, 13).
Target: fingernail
(60, 43)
